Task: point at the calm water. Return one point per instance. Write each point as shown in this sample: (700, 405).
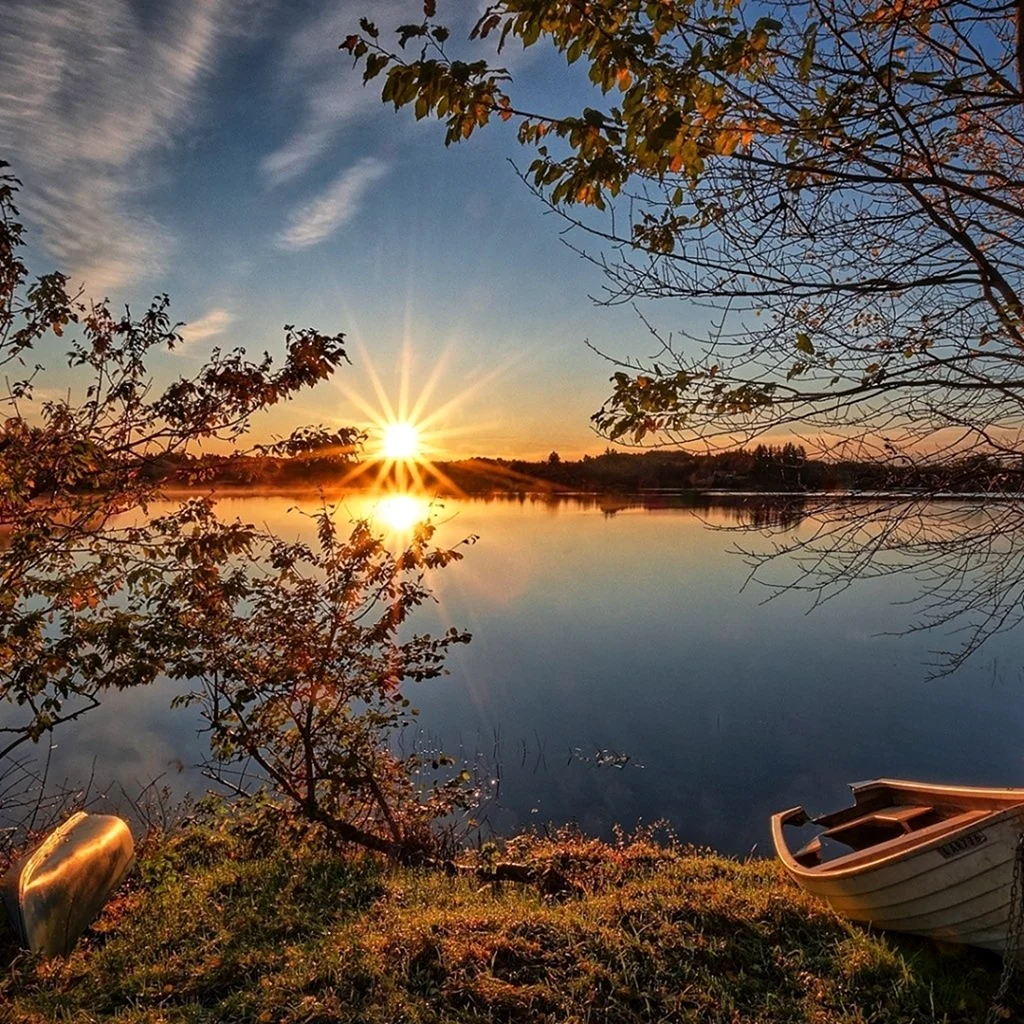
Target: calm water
(611, 627)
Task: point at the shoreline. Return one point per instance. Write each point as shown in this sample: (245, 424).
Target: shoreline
(256, 490)
(251, 917)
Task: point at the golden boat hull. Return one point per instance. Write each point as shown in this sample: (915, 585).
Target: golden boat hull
(55, 892)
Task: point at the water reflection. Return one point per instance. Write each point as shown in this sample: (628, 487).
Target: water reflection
(396, 514)
(759, 510)
(620, 624)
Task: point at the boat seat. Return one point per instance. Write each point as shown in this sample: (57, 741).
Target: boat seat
(810, 854)
(890, 821)
(904, 815)
(909, 839)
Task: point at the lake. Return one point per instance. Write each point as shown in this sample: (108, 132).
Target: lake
(620, 673)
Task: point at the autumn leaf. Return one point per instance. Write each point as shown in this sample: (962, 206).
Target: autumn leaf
(804, 343)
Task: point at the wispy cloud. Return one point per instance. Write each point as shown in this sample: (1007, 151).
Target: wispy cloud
(90, 91)
(318, 220)
(328, 96)
(329, 109)
(210, 324)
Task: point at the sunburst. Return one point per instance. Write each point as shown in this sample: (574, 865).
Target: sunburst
(407, 438)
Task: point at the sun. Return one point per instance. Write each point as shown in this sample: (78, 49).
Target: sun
(400, 441)
(406, 438)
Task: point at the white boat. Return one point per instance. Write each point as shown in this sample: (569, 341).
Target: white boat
(913, 857)
(53, 894)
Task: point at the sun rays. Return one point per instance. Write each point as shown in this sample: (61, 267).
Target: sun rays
(406, 437)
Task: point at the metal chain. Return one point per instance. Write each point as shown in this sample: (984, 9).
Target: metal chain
(1014, 928)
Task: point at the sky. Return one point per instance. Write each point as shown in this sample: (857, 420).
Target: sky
(225, 152)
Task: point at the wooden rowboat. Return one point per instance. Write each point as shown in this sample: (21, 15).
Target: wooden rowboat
(53, 894)
(912, 857)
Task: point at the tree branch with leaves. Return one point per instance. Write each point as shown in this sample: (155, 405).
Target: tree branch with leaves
(300, 660)
(80, 552)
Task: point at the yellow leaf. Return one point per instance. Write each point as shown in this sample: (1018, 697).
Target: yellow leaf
(726, 142)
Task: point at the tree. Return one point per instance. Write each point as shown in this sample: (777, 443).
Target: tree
(299, 673)
(81, 553)
(293, 651)
(840, 185)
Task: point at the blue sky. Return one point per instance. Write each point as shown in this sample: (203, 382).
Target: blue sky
(224, 151)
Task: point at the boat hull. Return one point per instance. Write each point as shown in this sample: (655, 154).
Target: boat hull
(54, 893)
(954, 885)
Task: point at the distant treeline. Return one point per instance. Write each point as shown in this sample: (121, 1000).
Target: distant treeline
(763, 468)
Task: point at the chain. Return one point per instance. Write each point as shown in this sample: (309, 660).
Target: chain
(1014, 928)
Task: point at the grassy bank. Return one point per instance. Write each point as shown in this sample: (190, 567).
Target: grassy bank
(236, 921)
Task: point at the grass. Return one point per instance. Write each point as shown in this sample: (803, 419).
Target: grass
(242, 920)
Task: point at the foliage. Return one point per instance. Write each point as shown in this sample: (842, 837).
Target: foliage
(299, 671)
(838, 185)
(765, 467)
(294, 651)
(79, 550)
(239, 919)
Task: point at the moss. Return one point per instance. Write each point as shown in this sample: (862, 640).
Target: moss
(225, 924)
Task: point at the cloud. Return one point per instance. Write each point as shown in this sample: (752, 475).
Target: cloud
(210, 324)
(319, 219)
(316, 78)
(91, 91)
(330, 107)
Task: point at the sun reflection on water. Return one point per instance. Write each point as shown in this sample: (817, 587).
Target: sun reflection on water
(399, 513)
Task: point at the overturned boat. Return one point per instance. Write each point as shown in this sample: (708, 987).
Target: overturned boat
(938, 861)
(53, 893)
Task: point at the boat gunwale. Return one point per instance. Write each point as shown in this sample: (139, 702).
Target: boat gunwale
(993, 793)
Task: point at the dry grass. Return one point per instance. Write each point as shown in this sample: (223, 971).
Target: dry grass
(230, 921)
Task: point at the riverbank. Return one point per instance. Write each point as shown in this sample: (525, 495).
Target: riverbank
(241, 920)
